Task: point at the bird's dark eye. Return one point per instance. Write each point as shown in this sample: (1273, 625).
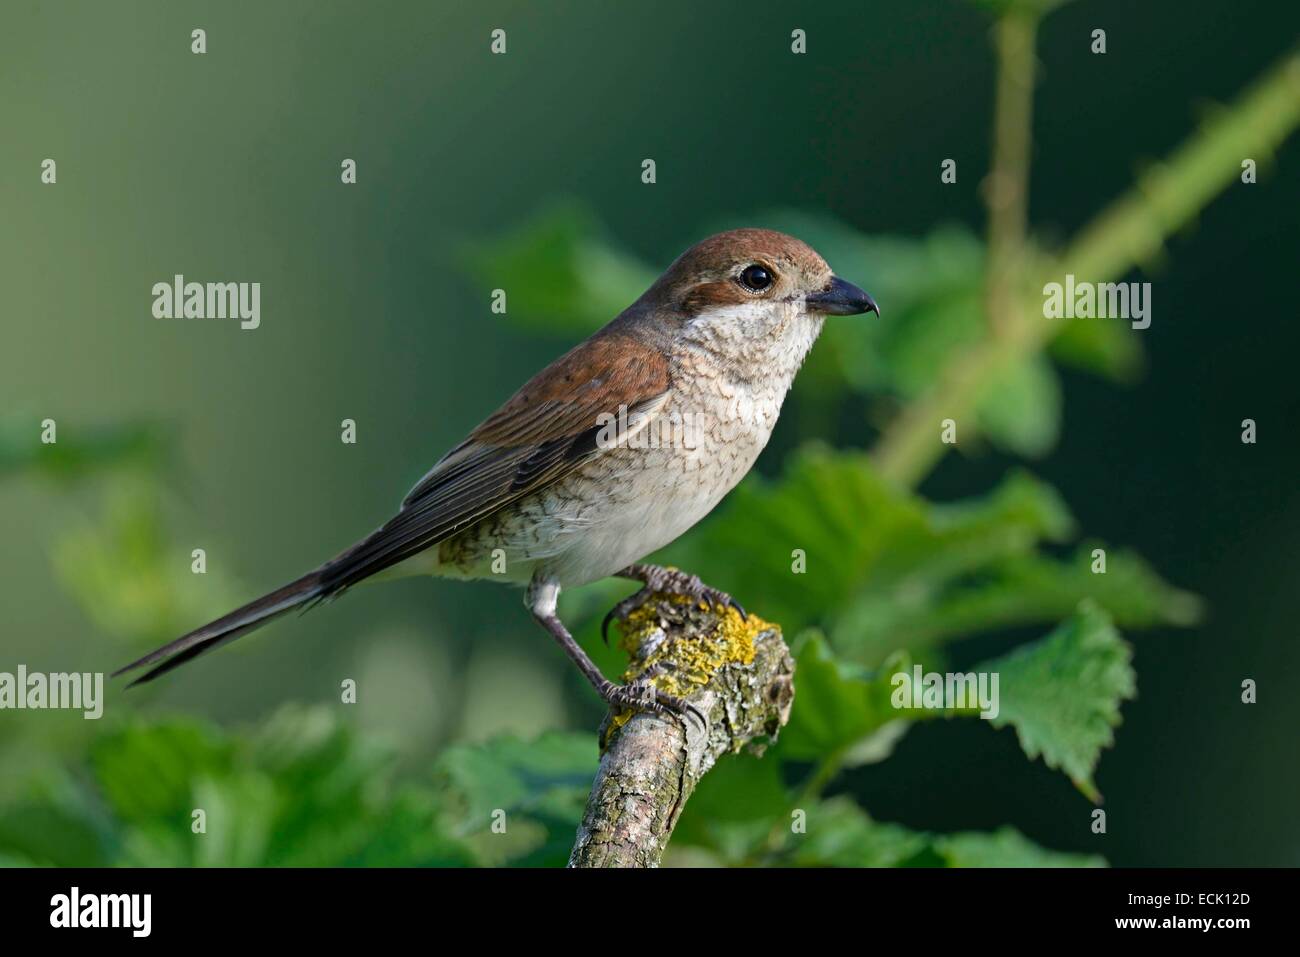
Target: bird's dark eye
(756, 278)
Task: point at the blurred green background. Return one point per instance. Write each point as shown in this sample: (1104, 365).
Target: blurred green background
(472, 167)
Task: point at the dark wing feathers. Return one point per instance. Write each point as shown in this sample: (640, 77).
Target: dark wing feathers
(545, 430)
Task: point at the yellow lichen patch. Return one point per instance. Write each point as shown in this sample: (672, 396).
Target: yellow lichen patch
(689, 662)
(642, 621)
(615, 722)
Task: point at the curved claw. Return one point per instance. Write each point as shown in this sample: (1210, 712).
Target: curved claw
(704, 722)
(619, 612)
(669, 704)
(715, 597)
(732, 603)
(627, 696)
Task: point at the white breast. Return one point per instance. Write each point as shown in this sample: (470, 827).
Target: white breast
(730, 378)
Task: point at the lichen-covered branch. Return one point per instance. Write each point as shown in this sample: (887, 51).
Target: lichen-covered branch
(738, 673)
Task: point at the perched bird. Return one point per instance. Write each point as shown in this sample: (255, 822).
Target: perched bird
(606, 455)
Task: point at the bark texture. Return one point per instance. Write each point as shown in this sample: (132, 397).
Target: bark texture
(737, 673)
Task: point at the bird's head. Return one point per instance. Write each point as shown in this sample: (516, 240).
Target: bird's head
(757, 278)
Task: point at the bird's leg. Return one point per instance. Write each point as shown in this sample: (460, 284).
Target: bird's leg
(667, 581)
(640, 695)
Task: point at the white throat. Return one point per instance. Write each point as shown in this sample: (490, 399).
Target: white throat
(764, 340)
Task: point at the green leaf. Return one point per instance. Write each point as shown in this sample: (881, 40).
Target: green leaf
(1021, 411)
(46, 835)
(146, 772)
(1102, 347)
(841, 834)
(303, 789)
(330, 787)
(537, 789)
(1062, 694)
(300, 790)
(1005, 847)
(837, 535)
(881, 569)
(412, 832)
(733, 808)
(741, 787)
(561, 277)
(127, 575)
(1014, 591)
(81, 450)
(241, 814)
(838, 704)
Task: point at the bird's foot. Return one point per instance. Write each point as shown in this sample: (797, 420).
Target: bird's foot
(666, 581)
(622, 610)
(642, 695)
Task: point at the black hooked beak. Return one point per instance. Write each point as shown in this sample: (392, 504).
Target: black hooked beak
(842, 298)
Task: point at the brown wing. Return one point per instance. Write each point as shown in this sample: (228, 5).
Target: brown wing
(545, 430)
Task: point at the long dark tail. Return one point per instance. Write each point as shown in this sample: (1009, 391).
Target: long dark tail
(416, 527)
(228, 627)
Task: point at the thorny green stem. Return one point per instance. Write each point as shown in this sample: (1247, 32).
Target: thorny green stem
(1131, 231)
(1006, 190)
